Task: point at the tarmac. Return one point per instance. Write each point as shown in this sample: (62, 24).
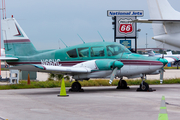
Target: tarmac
(95, 103)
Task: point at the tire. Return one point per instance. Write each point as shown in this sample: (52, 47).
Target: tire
(76, 86)
(144, 87)
(123, 84)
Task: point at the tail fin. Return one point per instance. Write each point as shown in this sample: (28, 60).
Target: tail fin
(162, 10)
(169, 53)
(150, 52)
(16, 42)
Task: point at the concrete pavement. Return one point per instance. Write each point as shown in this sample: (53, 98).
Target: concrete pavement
(97, 103)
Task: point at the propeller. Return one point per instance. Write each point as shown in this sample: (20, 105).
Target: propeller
(164, 61)
(113, 75)
(161, 75)
(115, 66)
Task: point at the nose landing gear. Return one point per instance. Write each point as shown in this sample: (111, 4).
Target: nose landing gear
(144, 86)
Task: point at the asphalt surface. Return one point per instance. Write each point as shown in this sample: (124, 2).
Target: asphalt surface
(96, 103)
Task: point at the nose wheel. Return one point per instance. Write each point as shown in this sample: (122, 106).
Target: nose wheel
(144, 86)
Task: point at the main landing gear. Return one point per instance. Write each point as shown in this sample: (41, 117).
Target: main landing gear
(122, 84)
(144, 86)
(76, 87)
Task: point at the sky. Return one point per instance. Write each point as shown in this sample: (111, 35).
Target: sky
(45, 21)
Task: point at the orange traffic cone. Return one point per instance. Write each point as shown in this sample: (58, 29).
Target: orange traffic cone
(28, 80)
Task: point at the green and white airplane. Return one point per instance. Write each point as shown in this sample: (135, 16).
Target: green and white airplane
(82, 62)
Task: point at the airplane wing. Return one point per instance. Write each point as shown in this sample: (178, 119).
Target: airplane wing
(64, 69)
(155, 21)
(80, 68)
(8, 58)
(46, 68)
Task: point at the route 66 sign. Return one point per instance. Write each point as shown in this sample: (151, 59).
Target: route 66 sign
(125, 26)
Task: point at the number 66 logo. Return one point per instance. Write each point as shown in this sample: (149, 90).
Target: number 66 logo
(125, 26)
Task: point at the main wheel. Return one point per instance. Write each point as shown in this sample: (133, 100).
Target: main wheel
(122, 84)
(144, 87)
(76, 86)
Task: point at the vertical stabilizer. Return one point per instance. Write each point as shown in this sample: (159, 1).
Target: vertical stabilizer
(161, 9)
(16, 42)
(150, 52)
(169, 53)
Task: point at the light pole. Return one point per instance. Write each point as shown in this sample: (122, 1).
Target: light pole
(146, 41)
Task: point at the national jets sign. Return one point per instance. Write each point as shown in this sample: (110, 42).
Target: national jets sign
(122, 25)
(122, 21)
(127, 13)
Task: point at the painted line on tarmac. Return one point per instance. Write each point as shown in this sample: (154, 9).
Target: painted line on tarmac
(2, 118)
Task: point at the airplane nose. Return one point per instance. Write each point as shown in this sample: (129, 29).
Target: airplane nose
(164, 61)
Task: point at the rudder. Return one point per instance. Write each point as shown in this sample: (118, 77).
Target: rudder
(16, 42)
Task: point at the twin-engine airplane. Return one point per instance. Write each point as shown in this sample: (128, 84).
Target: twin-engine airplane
(169, 56)
(82, 62)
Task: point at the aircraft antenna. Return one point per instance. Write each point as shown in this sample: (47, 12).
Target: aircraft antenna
(59, 44)
(63, 42)
(101, 36)
(81, 38)
(163, 49)
(5, 9)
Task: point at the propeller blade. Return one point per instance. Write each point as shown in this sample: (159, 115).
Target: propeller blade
(161, 75)
(113, 75)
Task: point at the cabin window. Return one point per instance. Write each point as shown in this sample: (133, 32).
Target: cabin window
(113, 50)
(97, 51)
(83, 52)
(72, 53)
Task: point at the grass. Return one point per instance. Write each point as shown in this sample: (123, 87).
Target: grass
(4, 69)
(171, 67)
(52, 84)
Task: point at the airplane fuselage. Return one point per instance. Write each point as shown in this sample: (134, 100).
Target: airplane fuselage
(134, 64)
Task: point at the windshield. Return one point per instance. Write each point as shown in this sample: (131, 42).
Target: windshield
(113, 50)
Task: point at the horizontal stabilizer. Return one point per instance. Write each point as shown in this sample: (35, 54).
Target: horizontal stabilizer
(156, 21)
(7, 58)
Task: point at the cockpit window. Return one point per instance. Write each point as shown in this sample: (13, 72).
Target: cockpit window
(97, 51)
(83, 52)
(72, 53)
(113, 50)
